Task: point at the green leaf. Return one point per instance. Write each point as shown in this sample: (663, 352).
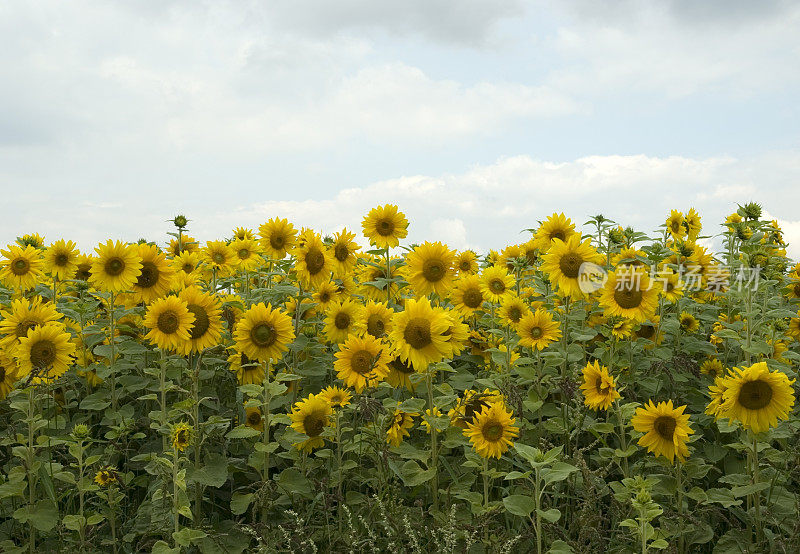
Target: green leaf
(558, 472)
(749, 489)
(560, 547)
(96, 401)
(242, 432)
(74, 522)
(240, 502)
(186, 536)
(163, 548)
(520, 504)
(552, 515)
(43, 516)
(213, 473)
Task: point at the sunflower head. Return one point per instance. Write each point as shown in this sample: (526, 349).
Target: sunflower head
(181, 436)
(599, 388)
(666, 429)
(310, 417)
(492, 431)
(757, 397)
(384, 226)
(106, 476)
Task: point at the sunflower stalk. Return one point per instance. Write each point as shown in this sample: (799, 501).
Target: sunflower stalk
(111, 343)
(198, 495)
(756, 493)
(434, 448)
(30, 460)
(267, 399)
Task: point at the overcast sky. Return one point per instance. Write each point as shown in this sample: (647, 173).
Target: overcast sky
(477, 117)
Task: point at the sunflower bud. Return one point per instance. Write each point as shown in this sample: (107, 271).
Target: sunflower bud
(180, 221)
(80, 431)
(751, 210)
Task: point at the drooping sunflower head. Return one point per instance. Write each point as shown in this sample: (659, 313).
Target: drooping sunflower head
(21, 268)
(716, 392)
(84, 269)
(399, 426)
(400, 373)
(61, 260)
(310, 417)
(666, 429)
(492, 431)
(253, 418)
(263, 333)
(247, 371)
(599, 388)
(429, 269)
(116, 267)
(362, 362)
(555, 227)
(757, 397)
(46, 352)
(384, 226)
(170, 323)
(564, 261)
(181, 436)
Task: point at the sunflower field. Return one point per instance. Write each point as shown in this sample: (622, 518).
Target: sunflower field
(604, 390)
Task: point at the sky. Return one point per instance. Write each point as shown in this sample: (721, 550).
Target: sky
(478, 118)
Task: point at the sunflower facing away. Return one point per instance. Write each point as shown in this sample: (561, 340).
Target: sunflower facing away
(666, 429)
(399, 426)
(61, 260)
(418, 334)
(207, 327)
(263, 333)
(538, 330)
(599, 388)
(170, 323)
(22, 267)
(429, 269)
(716, 392)
(629, 293)
(557, 226)
(362, 362)
(310, 417)
(492, 431)
(155, 279)
(562, 264)
(757, 397)
(46, 351)
(384, 226)
(181, 436)
(116, 267)
(343, 319)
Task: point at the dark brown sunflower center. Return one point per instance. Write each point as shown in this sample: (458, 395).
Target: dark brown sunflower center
(243, 253)
(418, 333)
(315, 261)
(168, 322)
(755, 395)
(464, 265)
(313, 424)
(43, 354)
(324, 297)
(628, 298)
(675, 226)
(646, 331)
(558, 235)
(797, 289)
(473, 298)
(385, 227)
(433, 270)
(22, 328)
(342, 320)
(514, 314)
(536, 332)
(263, 335)
(277, 242)
(497, 286)
(114, 266)
(188, 267)
(401, 367)
(182, 437)
(61, 259)
(20, 266)
(2, 374)
(665, 427)
(254, 417)
(149, 276)
(361, 362)
(84, 272)
(492, 431)
(218, 258)
(201, 321)
(376, 326)
(341, 252)
(570, 265)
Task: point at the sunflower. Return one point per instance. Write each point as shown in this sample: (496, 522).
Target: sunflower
(562, 264)
(61, 260)
(243, 233)
(181, 436)
(310, 417)
(621, 328)
(248, 372)
(467, 295)
(313, 261)
(509, 256)
(325, 294)
(400, 373)
(399, 426)
(263, 333)
(336, 397)
(155, 279)
(470, 405)
(377, 319)
(757, 397)
(689, 323)
(253, 419)
(8, 375)
(513, 309)
(248, 254)
(219, 257)
(22, 267)
(343, 319)
(84, 269)
(712, 367)
(629, 293)
(362, 362)
(717, 394)
(492, 431)
(557, 226)
(384, 226)
(599, 387)
(170, 323)
(106, 476)
(116, 267)
(466, 263)
(692, 224)
(457, 333)
(429, 269)
(628, 256)
(46, 352)
(344, 250)
(496, 284)
(537, 330)
(186, 244)
(186, 262)
(207, 327)
(666, 429)
(675, 225)
(794, 327)
(419, 334)
(32, 239)
(23, 316)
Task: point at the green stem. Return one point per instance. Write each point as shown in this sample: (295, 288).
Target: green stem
(622, 437)
(434, 449)
(175, 500)
(679, 471)
(756, 494)
(538, 499)
(198, 494)
(111, 342)
(31, 460)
